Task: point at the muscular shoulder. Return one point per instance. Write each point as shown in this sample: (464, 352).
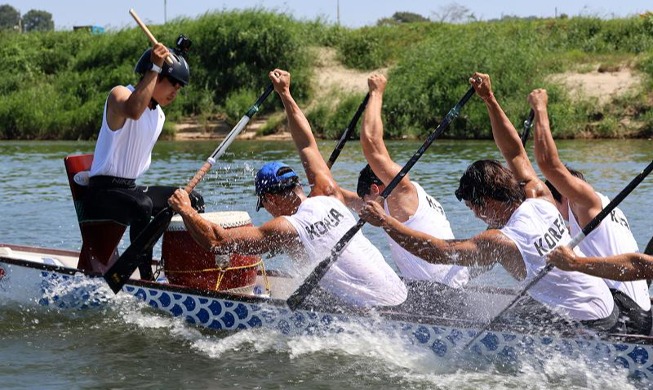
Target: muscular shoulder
(278, 227)
(494, 240)
(119, 93)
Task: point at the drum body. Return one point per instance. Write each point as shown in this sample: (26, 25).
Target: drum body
(187, 264)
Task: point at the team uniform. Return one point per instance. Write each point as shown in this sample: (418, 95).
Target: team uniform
(428, 218)
(360, 276)
(537, 227)
(612, 237)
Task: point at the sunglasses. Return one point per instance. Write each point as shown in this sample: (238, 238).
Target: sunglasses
(473, 200)
(174, 82)
(459, 195)
(259, 202)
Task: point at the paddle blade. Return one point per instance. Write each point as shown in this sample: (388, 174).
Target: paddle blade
(129, 260)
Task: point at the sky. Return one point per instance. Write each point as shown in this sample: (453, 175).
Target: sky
(114, 14)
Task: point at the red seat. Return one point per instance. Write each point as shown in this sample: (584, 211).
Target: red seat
(100, 238)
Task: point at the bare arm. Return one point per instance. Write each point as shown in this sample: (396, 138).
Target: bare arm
(317, 172)
(507, 139)
(403, 201)
(124, 104)
(481, 250)
(352, 200)
(277, 233)
(623, 267)
(584, 201)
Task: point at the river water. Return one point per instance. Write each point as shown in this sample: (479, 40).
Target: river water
(127, 345)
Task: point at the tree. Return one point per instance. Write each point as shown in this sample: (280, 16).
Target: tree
(9, 17)
(36, 20)
(408, 17)
(401, 17)
(453, 13)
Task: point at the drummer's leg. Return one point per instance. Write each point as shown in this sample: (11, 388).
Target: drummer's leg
(161, 194)
(158, 200)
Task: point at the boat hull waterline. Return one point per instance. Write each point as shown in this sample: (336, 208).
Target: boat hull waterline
(42, 278)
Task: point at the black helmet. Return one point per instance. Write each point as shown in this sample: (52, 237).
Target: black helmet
(179, 69)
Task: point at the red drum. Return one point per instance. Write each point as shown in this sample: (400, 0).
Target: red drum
(187, 264)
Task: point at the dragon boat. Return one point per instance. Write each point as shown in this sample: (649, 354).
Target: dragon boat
(237, 293)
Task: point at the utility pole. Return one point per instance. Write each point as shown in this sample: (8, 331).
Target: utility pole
(165, 11)
(338, 11)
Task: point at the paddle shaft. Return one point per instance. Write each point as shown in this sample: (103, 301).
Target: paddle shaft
(528, 123)
(346, 134)
(596, 221)
(298, 297)
(124, 267)
(147, 32)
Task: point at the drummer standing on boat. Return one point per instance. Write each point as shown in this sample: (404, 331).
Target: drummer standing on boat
(131, 124)
(408, 203)
(518, 200)
(306, 227)
(578, 203)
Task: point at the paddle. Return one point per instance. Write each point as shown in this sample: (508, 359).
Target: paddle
(147, 32)
(596, 221)
(347, 132)
(528, 123)
(649, 248)
(321, 269)
(124, 267)
(649, 251)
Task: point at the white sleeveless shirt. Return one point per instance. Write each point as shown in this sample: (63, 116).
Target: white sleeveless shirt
(127, 152)
(613, 237)
(428, 218)
(537, 228)
(361, 275)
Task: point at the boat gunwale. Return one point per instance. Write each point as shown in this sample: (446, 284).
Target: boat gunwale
(398, 316)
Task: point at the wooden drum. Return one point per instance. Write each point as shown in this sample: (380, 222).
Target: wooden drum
(187, 264)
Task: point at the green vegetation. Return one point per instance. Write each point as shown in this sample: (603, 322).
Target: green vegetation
(55, 83)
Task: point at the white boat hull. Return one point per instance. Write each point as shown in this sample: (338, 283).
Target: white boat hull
(33, 278)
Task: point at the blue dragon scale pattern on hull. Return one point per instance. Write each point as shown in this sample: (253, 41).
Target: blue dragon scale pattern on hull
(444, 341)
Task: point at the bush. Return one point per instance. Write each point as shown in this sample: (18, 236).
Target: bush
(329, 119)
(56, 83)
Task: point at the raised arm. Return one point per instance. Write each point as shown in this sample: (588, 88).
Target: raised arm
(507, 139)
(403, 201)
(623, 267)
(317, 172)
(124, 104)
(585, 203)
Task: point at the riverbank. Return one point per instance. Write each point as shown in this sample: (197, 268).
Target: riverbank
(593, 83)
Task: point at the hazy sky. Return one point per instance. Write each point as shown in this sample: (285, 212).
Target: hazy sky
(353, 13)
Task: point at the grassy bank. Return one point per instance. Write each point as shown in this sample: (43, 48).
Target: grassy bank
(55, 83)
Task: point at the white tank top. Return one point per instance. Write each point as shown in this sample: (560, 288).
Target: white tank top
(127, 152)
(428, 218)
(361, 275)
(613, 237)
(537, 227)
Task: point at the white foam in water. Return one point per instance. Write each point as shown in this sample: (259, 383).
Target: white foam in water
(388, 355)
(358, 340)
(138, 313)
(75, 291)
(259, 339)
